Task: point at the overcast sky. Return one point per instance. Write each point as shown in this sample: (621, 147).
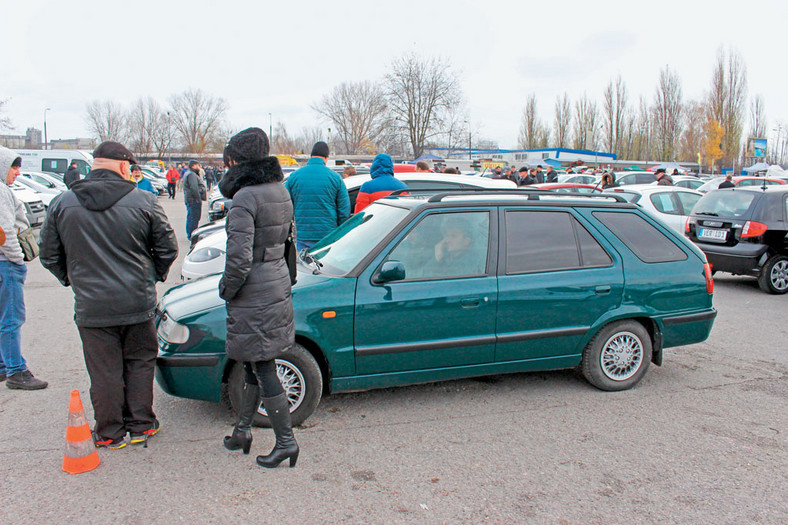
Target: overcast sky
(281, 58)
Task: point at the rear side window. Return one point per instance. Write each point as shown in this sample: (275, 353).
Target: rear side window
(664, 203)
(539, 241)
(647, 243)
(55, 165)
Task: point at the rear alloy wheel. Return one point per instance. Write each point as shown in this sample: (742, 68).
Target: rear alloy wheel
(618, 356)
(301, 379)
(774, 275)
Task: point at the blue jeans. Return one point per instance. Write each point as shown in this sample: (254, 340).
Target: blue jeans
(12, 316)
(193, 212)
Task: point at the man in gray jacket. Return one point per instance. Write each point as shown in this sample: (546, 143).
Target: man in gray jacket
(193, 194)
(12, 280)
(111, 242)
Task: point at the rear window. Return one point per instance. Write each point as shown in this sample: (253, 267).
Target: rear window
(729, 204)
(647, 243)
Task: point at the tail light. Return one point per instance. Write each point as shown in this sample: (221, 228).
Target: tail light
(686, 226)
(753, 229)
(709, 279)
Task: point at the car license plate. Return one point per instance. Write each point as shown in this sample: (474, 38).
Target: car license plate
(714, 235)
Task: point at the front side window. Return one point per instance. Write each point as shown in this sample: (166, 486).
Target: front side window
(688, 200)
(445, 245)
(82, 166)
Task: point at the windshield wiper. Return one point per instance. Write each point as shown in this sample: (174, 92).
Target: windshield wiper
(309, 259)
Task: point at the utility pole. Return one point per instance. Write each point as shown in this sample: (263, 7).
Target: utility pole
(46, 139)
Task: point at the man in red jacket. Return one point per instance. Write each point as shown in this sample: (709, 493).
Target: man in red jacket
(383, 182)
(172, 179)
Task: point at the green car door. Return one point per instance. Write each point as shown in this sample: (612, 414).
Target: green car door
(555, 281)
(440, 312)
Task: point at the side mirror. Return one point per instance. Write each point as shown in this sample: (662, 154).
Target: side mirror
(390, 271)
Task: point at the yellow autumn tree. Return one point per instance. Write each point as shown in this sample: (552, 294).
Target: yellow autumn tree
(712, 144)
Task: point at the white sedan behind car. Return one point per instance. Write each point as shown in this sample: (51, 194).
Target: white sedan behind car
(670, 204)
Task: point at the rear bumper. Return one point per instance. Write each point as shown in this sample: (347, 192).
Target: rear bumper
(741, 259)
(686, 329)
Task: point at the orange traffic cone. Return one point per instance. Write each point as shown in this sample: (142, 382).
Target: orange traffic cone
(80, 454)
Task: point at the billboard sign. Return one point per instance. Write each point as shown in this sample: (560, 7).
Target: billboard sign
(756, 148)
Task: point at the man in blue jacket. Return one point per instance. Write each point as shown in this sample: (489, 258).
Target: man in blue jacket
(320, 198)
(140, 181)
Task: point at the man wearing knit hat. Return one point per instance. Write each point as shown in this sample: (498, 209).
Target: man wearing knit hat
(111, 242)
(12, 279)
(320, 198)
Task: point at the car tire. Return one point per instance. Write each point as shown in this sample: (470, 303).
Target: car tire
(618, 356)
(773, 278)
(301, 378)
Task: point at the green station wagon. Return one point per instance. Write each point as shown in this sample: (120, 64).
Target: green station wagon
(425, 288)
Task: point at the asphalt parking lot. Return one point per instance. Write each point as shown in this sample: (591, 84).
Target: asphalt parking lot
(701, 439)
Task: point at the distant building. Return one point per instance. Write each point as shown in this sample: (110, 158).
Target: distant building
(522, 157)
(30, 140)
(78, 143)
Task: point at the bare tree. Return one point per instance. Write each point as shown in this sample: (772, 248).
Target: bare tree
(667, 115)
(419, 90)
(758, 117)
(197, 117)
(614, 108)
(640, 130)
(163, 133)
(283, 143)
(562, 126)
(5, 121)
(585, 123)
(692, 138)
(307, 138)
(358, 112)
(725, 102)
(533, 133)
(107, 120)
(140, 123)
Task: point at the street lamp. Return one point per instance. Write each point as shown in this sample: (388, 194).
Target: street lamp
(46, 139)
(270, 128)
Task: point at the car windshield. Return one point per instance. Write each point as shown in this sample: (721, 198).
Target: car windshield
(725, 203)
(342, 249)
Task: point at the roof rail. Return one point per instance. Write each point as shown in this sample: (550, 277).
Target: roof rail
(532, 193)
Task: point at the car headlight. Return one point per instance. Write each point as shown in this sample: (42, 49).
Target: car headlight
(205, 254)
(172, 331)
(217, 206)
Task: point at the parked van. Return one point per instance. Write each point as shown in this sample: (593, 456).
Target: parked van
(55, 160)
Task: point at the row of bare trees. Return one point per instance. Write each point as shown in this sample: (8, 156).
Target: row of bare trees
(193, 121)
(665, 128)
(418, 103)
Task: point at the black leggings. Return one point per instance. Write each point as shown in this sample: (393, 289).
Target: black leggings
(264, 374)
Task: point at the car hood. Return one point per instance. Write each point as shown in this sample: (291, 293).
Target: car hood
(203, 294)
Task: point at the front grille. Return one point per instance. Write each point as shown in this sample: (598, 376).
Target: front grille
(36, 206)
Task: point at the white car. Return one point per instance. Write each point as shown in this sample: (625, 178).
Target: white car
(686, 181)
(34, 207)
(47, 179)
(670, 204)
(207, 254)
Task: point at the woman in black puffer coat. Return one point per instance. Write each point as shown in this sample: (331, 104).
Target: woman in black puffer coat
(256, 286)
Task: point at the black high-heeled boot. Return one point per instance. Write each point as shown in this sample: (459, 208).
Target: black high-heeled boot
(278, 409)
(242, 433)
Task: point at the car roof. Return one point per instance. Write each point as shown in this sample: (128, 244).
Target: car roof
(503, 197)
(774, 188)
(356, 181)
(648, 188)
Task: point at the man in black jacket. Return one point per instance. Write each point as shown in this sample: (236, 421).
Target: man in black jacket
(193, 194)
(111, 242)
(72, 175)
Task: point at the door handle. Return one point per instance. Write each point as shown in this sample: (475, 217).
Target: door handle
(470, 302)
(602, 289)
